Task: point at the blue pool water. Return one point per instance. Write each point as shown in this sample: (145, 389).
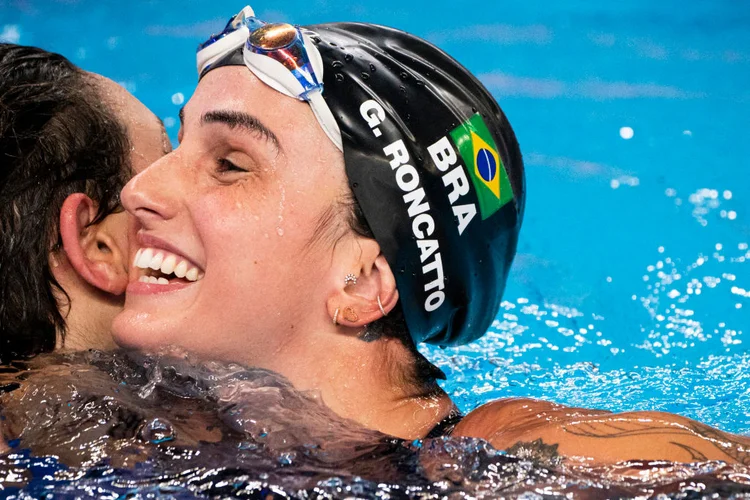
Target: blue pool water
(631, 289)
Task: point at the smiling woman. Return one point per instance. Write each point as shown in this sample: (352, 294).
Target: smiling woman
(329, 231)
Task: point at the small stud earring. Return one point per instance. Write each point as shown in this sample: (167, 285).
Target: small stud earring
(336, 317)
(350, 279)
(380, 306)
(350, 314)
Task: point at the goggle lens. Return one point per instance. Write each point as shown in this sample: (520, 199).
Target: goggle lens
(273, 36)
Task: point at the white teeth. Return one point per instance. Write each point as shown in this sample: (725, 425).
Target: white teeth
(156, 261)
(153, 280)
(149, 258)
(167, 267)
(181, 270)
(145, 259)
(192, 274)
(137, 257)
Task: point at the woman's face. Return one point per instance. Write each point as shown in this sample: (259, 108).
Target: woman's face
(228, 219)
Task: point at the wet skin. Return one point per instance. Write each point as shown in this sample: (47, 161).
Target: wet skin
(241, 207)
(595, 437)
(91, 312)
(90, 308)
(241, 200)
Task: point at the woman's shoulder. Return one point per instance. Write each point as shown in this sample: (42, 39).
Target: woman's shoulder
(505, 419)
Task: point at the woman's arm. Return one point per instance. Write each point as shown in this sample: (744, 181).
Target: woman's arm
(598, 438)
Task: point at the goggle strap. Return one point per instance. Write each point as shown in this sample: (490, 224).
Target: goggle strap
(212, 53)
(313, 54)
(325, 118)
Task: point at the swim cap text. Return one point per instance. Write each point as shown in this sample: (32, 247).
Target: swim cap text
(444, 157)
(423, 224)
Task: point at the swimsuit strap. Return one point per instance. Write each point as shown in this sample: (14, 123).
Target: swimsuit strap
(446, 425)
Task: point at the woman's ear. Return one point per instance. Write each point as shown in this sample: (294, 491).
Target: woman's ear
(369, 293)
(97, 252)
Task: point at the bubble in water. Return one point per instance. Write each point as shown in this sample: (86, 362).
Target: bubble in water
(157, 430)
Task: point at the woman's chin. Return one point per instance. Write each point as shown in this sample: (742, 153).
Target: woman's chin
(140, 330)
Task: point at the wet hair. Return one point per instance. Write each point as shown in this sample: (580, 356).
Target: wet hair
(56, 139)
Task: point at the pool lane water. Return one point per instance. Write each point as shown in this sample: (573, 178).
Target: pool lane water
(631, 286)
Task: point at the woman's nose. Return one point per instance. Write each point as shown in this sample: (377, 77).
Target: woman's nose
(152, 195)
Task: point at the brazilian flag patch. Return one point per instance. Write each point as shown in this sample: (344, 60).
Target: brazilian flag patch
(486, 169)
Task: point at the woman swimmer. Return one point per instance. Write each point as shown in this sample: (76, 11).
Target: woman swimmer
(323, 233)
(69, 140)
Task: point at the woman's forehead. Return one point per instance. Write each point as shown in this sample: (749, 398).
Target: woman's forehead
(236, 89)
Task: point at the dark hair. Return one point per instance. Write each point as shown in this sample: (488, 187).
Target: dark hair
(56, 139)
(422, 373)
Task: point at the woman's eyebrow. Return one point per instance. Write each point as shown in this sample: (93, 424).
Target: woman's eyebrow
(247, 122)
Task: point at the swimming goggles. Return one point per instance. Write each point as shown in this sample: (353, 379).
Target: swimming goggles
(281, 55)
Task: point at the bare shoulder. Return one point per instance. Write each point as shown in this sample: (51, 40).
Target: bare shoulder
(600, 437)
(516, 416)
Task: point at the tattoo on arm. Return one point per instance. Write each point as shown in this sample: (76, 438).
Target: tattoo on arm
(732, 446)
(695, 455)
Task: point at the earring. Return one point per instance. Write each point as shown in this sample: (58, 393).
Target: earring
(336, 317)
(350, 279)
(350, 314)
(380, 306)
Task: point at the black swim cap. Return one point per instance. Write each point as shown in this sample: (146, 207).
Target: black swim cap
(435, 167)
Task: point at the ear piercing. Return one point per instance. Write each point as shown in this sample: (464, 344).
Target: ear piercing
(380, 306)
(350, 314)
(350, 279)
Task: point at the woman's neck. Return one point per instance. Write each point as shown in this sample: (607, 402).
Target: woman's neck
(364, 382)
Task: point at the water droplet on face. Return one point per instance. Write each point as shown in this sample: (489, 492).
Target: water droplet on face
(337, 64)
(348, 57)
(280, 231)
(365, 75)
(372, 68)
(339, 77)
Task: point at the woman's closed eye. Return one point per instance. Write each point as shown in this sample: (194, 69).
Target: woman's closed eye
(224, 165)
